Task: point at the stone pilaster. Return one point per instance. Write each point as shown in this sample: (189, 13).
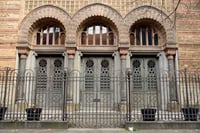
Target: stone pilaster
(23, 55)
(123, 51)
(172, 105)
(71, 51)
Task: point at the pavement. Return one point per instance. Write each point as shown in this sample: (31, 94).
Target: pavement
(102, 130)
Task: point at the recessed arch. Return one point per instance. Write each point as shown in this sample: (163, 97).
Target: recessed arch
(100, 10)
(97, 28)
(38, 15)
(148, 12)
(147, 32)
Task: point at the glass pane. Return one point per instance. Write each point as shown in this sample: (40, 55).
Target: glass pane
(57, 29)
(90, 36)
(38, 39)
(97, 29)
(50, 36)
(51, 29)
(138, 36)
(97, 39)
(104, 30)
(62, 38)
(83, 38)
(156, 39)
(104, 38)
(150, 36)
(90, 39)
(44, 36)
(111, 39)
(132, 39)
(90, 30)
(144, 36)
(56, 37)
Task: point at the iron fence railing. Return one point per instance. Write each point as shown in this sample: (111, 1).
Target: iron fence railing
(98, 101)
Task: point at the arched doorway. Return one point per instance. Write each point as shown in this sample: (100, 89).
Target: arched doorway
(147, 39)
(97, 40)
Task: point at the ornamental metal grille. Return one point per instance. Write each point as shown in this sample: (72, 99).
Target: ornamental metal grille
(105, 76)
(144, 83)
(49, 87)
(108, 109)
(152, 75)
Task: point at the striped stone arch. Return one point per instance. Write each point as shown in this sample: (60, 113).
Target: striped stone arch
(98, 9)
(42, 12)
(149, 12)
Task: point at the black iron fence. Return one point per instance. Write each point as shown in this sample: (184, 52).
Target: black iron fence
(98, 101)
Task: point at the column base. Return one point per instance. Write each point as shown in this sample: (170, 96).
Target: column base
(123, 106)
(173, 106)
(21, 105)
(71, 107)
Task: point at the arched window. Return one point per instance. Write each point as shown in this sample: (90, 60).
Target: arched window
(50, 35)
(97, 35)
(144, 36)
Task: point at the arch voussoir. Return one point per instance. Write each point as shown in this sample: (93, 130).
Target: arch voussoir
(155, 14)
(98, 10)
(46, 11)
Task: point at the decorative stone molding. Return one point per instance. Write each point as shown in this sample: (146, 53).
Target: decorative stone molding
(149, 12)
(170, 52)
(123, 51)
(71, 52)
(102, 10)
(23, 52)
(46, 11)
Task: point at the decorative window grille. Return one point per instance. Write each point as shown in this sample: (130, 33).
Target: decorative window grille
(137, 76)
(105, 77)
(144, 36)
(152, 75)
(89, 75)
(99, 35)
(50, 35)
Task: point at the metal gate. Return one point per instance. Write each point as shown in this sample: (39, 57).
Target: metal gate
(99, 93)
(144, 83)
(49, 82)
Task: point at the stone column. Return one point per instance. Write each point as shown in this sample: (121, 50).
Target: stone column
(164, 86)
(70, 84)
(117, 76)
(77, 80)
(23, 54)
(123, 90)
(21, 83)
(31, 74)
(65, 61)
(173, 105)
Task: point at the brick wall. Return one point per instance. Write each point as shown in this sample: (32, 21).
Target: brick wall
(187, 23)
(9, 20)
(188, 34)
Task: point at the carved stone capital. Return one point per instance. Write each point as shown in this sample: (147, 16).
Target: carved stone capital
(170, 52)
(71, 52)
(123, 52)
(23, 52)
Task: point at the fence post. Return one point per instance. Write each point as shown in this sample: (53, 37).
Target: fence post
(186, 87)
(129, 73)
(64, 97)
(6, 82)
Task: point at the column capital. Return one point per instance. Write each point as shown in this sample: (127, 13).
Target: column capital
(123, 51)
(71, 52)
(170, 52)
(23, 52)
